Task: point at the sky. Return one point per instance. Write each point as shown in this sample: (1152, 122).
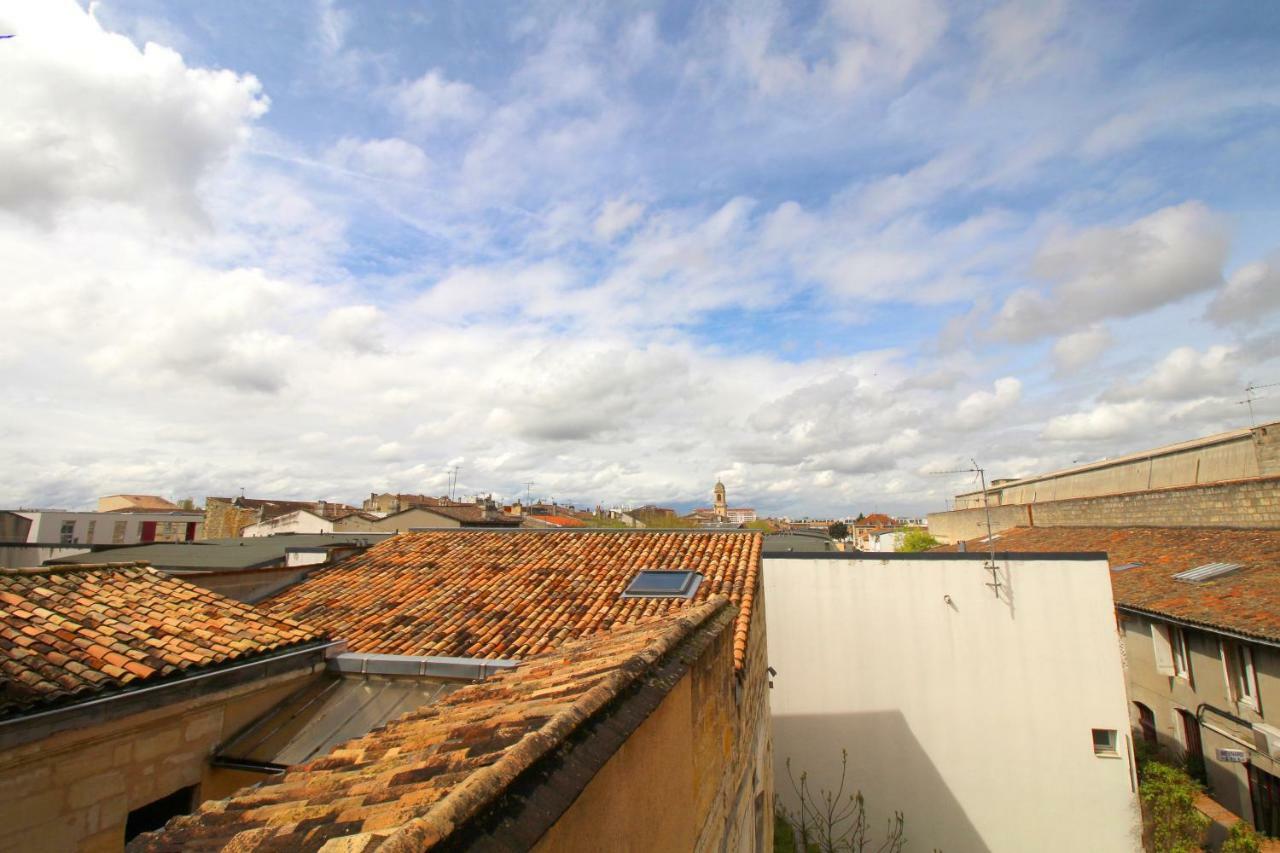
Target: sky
(819, 251)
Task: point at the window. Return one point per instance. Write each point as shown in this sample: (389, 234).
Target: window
(88, 536)
(1181, 657)
(1264, 792)
(1241, 677)
(1104, 742)
(663, 584)
(117, 533)
(1193, 751)
(1146, 722)
(156, 814)
(68, 534)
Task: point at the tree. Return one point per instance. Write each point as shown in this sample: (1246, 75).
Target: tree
(827, 822)
(917, 539)
(1242, 839)
(838, 530)
(1169, 804)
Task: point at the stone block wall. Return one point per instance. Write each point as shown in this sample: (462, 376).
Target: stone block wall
(223, 519)
(74, 790)
(1242, 503)
(1266, 441)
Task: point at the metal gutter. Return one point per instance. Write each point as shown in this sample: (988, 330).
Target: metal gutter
(470, 669)
(168, 684)
(1199, 626)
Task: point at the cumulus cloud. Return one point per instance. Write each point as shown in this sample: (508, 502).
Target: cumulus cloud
(981, 407)
(1250, 295)
(1074, 351)
(87, 115)
(433, 100)
(1118, 272)
(1185, 374)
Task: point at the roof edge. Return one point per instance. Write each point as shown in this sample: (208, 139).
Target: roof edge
(475, 793)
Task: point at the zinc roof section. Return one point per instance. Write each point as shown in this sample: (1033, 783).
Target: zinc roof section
(512, 594)
(69, 633)
(1246, 602)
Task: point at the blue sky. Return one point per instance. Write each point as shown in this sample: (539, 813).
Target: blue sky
(817, 250)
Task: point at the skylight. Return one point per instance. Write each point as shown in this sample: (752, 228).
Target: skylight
(1124, 567)
(1206, 572)
(663, 584)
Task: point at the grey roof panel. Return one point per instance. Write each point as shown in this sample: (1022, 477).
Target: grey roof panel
(239, 553)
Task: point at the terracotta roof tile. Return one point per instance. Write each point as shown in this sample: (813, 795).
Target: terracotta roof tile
(1245, 602)
(67, 632)
(512, 594)
(412, 783)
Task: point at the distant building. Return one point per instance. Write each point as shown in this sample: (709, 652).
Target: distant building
(306, 521)
(226, 517)
(137, 503)
(388, 503)
(29, 537)
(533, 522)
(1231, 479)
(475, 515)
(721, 511)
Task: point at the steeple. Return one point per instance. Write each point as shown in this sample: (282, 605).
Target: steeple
(721, 503)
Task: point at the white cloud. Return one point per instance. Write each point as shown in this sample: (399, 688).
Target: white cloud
(1118, 272)
(1074, 351)
(1186, 374)
(981, 408)
(1105, 421)
(617, 216)
(391, 158)
(433, 100)
(1251, 294)
(86, 115)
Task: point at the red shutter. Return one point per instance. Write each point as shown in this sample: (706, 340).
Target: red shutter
(148, 531)
(191, 531)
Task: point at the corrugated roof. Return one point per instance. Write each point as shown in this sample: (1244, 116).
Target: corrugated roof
(479, 593)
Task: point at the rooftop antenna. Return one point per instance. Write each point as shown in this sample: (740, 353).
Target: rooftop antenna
(528, 489)
(990, 566)
(1248, 398)
(453, 479)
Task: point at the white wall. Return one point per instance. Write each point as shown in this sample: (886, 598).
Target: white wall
(298, 521)
(98, 528)
(972, 717)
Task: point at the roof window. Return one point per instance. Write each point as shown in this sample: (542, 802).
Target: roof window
(663, 584)
(1208, 571)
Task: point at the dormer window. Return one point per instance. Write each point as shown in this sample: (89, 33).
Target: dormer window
(663, 584)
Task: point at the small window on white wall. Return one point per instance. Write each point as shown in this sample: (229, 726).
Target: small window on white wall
(1104, 742)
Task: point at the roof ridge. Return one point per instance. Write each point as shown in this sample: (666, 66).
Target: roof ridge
(68, 568)
(475, 792)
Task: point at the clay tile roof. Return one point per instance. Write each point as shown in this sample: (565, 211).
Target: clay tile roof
(1245, 602)
(419, 779)
(69, 632)
(559, 520)
(511, 594)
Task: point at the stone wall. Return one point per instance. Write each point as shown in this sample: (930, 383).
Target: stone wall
(1243, 503)
(1266, 441)
(74, 790)
(223, 519)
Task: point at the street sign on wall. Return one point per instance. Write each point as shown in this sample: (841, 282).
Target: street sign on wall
(1232, 756)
